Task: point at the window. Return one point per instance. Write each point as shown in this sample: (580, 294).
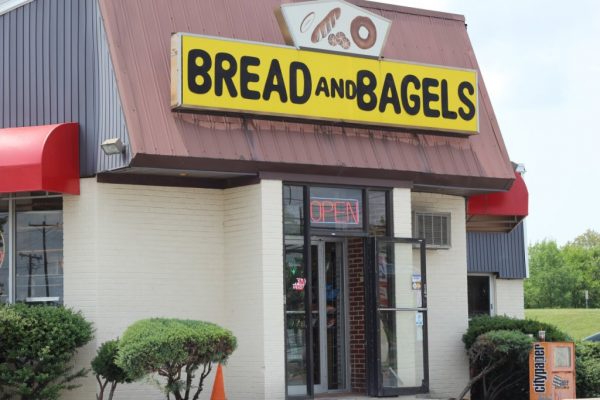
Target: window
(31, 249)
(434, 227)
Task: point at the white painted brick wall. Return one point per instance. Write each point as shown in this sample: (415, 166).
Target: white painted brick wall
(447, 298)
(272, 266)
(509, 298)
(134, 252)
(254, 290)
(402, 213)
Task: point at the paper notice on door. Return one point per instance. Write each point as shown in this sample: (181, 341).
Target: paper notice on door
(416, 281)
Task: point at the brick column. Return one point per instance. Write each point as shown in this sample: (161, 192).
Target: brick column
(357, 314)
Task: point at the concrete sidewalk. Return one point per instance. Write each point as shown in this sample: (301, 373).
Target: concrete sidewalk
(350, 396)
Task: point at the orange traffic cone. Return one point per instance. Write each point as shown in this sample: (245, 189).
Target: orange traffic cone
(218, 392)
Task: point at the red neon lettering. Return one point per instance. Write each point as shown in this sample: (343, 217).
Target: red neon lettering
(328, 209)
(320, 217)
(352, 212)
(334, 211)
(340, 210)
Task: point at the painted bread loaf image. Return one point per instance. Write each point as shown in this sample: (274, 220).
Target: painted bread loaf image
(324, 27)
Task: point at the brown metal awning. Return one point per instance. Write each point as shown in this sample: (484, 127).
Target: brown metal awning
(139, 34)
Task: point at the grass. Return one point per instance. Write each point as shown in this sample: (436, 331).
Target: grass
(576, 322)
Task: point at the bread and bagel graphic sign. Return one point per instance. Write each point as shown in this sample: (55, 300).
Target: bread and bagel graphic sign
(330, 70)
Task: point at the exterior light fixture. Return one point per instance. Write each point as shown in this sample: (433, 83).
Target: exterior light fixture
(113, 146)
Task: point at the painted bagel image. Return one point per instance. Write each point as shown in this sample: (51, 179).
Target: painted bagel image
(363, 32)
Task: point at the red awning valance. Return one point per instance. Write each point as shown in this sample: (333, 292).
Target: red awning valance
(40, 158)
(500, 211)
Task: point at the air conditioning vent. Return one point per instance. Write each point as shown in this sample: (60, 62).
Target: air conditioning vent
(434, 227)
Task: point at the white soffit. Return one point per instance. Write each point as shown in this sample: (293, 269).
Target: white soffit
(9, 5)
(335, 26)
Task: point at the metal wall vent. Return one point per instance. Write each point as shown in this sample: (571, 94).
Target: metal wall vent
(434, 227)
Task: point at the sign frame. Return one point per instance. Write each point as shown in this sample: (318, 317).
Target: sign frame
(176, 90)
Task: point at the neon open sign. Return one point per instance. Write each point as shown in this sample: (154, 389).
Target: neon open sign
(335, 212)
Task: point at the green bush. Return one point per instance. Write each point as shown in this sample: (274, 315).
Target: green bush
(36, 346)
(496, 356)
(588, 369)
(174, 349)
(511, 380)
(105, 369)
(483, 324)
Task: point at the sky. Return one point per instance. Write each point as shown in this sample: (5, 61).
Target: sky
(540, 61)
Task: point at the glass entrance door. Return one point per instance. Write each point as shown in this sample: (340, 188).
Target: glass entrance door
(396, 317)
(328, 311)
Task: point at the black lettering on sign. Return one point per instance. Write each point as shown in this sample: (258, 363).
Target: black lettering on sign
(247, 77)
(540, 375)
(295, 97)
(272, 86)
(366, 82)
(389, 94)
(337, 88)
(225, 75)
(196, 70)
(350, 88)
(469, 113)
(322, 87)
(412, 103)
(446, 113)
(429, 97)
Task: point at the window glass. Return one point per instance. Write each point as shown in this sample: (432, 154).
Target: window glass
(39, 250)
(336, 208)
(293, 210)
(377, 212)
(4, 232)
(295, 294)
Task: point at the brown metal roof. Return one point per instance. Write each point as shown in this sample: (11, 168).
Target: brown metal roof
(139, 33)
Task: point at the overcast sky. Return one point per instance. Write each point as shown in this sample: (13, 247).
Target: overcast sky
(540, 61)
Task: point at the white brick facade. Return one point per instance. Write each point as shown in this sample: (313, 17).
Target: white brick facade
(134, 252)
(447, 298)
(509, 298)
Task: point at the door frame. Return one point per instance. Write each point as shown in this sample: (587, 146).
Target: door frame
(321, 241)
(375, 386)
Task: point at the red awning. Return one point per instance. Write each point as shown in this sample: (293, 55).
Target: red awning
(500, 211)
(40, 158)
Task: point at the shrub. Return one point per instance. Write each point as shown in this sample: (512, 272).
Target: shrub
(176, 350)
(106, 370)
(36, 345)
(509, 381)
(483, 324)
(588, 369)
(497, 350)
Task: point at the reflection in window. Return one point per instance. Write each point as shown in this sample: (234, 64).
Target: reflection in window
(293, 210)
(377, 212)
(37, 261)
(295, 283)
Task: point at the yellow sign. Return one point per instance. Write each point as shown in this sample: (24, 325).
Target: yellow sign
(242, 77)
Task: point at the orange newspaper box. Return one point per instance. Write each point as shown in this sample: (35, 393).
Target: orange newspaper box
(552, 371)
